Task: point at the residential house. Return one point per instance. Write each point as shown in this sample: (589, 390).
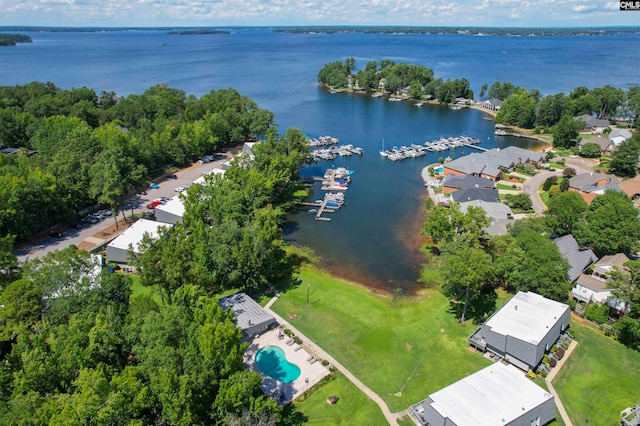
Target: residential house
(589, 185)
(496, 395)
(618, 136)
(526, 327)
(593, 286)
(592, 124)
(131, 239)
(251, 317)
(453, 183)
(631, 187)
(579, 258)
(475, 194)
(490, 164)
(495, 211)
(492, 104)
(606, 145)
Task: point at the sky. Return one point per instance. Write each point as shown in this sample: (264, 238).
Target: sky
(208, 13)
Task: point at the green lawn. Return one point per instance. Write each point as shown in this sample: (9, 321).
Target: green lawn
(506, 186)
(353, 406)
(599, 379)
(138, 288)
(403, 350)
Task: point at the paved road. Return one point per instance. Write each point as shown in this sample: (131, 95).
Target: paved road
(41, 247)
(531, 185)
(391, 417)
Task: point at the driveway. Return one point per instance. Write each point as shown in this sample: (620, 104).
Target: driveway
(92, 233)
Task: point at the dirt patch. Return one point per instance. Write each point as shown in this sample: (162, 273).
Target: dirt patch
(293, 316)
(408, 346)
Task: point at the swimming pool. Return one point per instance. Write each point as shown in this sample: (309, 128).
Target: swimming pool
(272, 362)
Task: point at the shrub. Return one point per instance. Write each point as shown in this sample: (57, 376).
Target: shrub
(597, 312)
(544, 374)
(572, 304)
(288, 332)
(531, 374)
(553, 362)
(297, 340)
(551, 180)
(325, 362)
(554, 348)
(545, 359)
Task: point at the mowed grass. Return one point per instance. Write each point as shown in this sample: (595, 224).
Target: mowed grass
(353, 406)
(137, 288)
(403, 350)
(599, 380)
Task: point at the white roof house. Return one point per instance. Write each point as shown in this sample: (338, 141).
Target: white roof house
(171, 212)
(496, 395)
(117, 250)
(522, 330)
(202, 179)
(251, 317)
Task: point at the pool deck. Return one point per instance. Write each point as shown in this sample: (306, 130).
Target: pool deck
(310, 373)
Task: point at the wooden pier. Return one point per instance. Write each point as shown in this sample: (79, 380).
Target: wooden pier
(474, 146)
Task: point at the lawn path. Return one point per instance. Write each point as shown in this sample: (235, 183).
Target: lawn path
(391, 417)
(552, 375)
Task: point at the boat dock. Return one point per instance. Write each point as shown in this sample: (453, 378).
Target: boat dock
(322, 141)
(332, 152)
(334, 180)
(442, 144)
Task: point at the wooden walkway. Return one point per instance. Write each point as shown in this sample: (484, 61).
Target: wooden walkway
(474, 146)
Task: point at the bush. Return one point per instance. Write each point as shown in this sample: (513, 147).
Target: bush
(554, 348)
(597, 312)
(572, 304)
(531, 374)
(545, 359)
(325, 362)
(544, 374)
(551, 180)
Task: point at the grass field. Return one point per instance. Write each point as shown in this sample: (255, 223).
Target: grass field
(403, 349)
(138, 288)
(353, 406)
(600, 378)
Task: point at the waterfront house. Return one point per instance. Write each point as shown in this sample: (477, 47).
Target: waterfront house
(592, 124)
(131, 239)
(606, 145)
(490, 164)
(526, 327)
(492, 104)
(589, 185)
(495, 211)
(475, 194)
(453, 183)
(594, 285)
(251, 317)
(579, 258)
(496, 395)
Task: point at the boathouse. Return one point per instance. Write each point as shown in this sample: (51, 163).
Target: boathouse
(252, 319)
(526, 327)
(496, 395)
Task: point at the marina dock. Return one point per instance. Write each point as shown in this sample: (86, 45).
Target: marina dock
(442, 144)
(334, 180)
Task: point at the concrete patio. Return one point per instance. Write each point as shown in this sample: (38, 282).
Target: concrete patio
(310, 373)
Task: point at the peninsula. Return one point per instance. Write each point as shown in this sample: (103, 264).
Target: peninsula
(12, 39)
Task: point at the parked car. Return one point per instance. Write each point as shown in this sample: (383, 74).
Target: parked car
(179, 189)
(172, 176)
(154, 185)
(153, 204)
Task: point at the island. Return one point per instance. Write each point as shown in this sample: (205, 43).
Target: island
(198, 32)
(12, 39)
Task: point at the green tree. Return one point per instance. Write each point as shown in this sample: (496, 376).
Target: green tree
(450, 224)
(611, 224)
(550, 109)
(566, 131)
(624, 161)
(566, 210)
(590, 150)
(8, 261)
(22, 307)
(608, 99)
(519, 109)
(519, 202)
(626, 285)
(465, 271)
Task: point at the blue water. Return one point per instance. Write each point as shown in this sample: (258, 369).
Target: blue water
(375, 238)
(272, 362)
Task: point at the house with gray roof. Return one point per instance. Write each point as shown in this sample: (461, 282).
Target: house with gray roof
(453, 183)
(489, 164)
(592, 184)
(618, 136)
(495, 211)
(492, 104)
(251, 317)
(579, 258)
(496, 395)
(592, 124)
(523, 329)
(593, 286)
(475, 194)
(606, 145)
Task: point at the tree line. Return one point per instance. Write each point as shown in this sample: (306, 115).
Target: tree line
(98, 149)
(418, 81)
(12, 39)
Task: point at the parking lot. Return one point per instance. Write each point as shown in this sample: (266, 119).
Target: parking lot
(98, 227)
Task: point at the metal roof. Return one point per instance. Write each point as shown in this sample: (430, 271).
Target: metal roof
(246, 310)
(133, 235)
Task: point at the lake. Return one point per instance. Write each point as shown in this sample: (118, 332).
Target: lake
(374, 239)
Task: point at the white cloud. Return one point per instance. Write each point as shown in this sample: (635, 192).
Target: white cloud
(311, 12)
